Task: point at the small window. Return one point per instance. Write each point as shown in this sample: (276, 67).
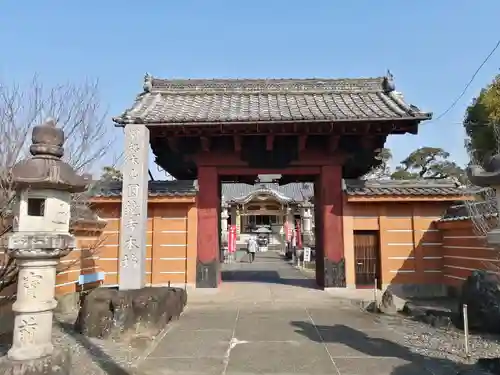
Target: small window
(36, 206)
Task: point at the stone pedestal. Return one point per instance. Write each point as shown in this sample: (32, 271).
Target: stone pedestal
(37, 255)
(59, 363)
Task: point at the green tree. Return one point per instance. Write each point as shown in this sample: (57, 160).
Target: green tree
(110, 174)
(481, 123)
(383, 170)
(428, 163)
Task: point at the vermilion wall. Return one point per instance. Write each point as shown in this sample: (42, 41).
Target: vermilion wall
(464, 251)
(170, 251)
(410, 242)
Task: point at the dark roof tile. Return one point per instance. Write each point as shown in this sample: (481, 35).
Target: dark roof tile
(299, 191)
(156, 188)
(402, 187)
(484, 209)
(244, 100)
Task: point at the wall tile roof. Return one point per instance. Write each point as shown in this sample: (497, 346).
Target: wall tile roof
(201, 101)
(466, 211)
(156, 189)
(402, 187)
(298, 192)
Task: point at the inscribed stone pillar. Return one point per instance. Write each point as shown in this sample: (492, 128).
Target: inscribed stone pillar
(208, 204)
(332, 272)
(134, 214)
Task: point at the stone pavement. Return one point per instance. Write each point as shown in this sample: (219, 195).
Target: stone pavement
(267, 318)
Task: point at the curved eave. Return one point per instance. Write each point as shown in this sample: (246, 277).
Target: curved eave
(120, 121)
(248, 198)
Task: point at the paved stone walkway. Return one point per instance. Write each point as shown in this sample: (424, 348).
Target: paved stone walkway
(267, 318)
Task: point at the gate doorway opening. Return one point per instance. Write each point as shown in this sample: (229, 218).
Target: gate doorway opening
(367, 259)
(280, 217)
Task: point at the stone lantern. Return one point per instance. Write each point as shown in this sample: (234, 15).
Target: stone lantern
(43, 184)
(489, 176)
(306, 214)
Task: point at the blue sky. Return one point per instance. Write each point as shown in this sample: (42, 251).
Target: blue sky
(431, 47)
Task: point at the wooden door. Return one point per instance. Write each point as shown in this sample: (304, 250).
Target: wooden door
(367, 258)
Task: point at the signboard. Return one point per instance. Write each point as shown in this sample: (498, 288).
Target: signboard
(307, 254)
(232, 239)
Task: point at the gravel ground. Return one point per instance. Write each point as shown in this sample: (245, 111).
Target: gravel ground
(93, 356)
(444, 345)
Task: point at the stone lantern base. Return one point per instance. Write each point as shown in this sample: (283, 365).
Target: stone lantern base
(58, 363)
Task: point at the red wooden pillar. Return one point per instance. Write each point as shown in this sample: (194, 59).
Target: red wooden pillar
(330, 270)
(208, 204)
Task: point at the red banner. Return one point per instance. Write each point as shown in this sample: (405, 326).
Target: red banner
(232, 239)
(299, 236)
(286, 229)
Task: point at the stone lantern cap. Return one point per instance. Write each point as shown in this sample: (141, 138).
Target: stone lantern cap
(487, 176)
(306, 204)
(45, 169)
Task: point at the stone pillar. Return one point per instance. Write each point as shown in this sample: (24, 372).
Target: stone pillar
(238, 220)
(134, 214)
(306, 220)
(224, 215)
(330, 270)
(224, 233)
(43, 184)
(208, 204)
(37, 256)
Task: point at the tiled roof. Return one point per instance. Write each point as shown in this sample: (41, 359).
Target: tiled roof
(471, 209)
(402, 187)
(156, 188)
(297, 192)
(198, 101)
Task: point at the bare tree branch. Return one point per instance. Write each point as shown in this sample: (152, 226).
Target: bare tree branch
(77, 110)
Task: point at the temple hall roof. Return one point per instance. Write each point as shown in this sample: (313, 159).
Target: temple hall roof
(296, 192)
(205, 101)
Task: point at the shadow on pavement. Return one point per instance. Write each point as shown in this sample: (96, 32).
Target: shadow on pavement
(377, 347)
(267, 277)
(103, 360)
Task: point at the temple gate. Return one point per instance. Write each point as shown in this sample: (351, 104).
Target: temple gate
(319, 130)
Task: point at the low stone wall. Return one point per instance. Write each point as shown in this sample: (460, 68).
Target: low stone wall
(109, 313)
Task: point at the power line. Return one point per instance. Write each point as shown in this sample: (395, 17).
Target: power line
(454, 103)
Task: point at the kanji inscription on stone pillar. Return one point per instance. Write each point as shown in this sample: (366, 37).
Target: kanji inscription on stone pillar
(134, 214)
